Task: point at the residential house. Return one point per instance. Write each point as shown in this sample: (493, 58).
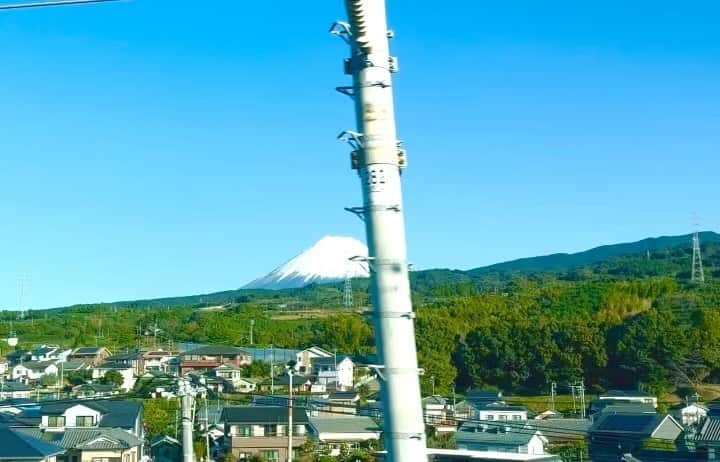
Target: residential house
(501, 438)
(548, 414)
(335, 432)
(133, 359)
(708, 438)
(690, 414)
(435, 409)
(94, 390)
(480, 398)
(100, 413)
(93, 444)
(300, 383)
(16, 446)
(464, 455)
(561, 430)
(14, 390)
(92, 355)
(630, 396)
(245, 385)
(613, 434)
(231, 374)
(161, 361)
(262, 430)
(305, 358)
(501, 412)
(93, 429)
(623, 408)
(343, 402)
(127, 372)
(50, 353)
(164, 448)
(32, 371)
(337, 371)
(17, 357)
(4, 366)
(212, 356)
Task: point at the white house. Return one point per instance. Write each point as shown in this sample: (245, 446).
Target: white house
(334, 370)
(4, 366)
(630, 396)
(13, 390)
(693, 414)
(127, 373)
(305, 357)
(49, 353)
(33, 370)
(435, 409)
(500, 412)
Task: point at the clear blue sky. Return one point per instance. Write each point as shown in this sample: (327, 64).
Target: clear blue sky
(154, 148)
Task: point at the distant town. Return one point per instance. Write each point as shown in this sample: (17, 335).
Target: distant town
(92, 404)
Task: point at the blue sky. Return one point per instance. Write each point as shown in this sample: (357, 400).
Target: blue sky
(154, 148)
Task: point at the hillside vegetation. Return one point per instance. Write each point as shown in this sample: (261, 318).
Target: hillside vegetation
(627, 321)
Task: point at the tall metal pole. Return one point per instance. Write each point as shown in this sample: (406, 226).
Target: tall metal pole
(290, 416)
(378, 159)
(187, 423)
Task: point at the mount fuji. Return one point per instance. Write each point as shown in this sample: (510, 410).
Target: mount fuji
(328, 260)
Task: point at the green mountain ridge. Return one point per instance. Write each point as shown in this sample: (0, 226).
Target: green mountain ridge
(424, 281)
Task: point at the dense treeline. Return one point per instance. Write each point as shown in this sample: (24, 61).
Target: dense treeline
(628, 322)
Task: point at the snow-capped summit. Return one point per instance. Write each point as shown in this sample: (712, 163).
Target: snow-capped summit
(326, 261)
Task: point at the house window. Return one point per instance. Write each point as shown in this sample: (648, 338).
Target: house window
(84, 421)
(502, 417)
(516, 417)
(270, 430)
(272, 455)
(56, 421)
(244, 456)
(490, 417)
(243, 430)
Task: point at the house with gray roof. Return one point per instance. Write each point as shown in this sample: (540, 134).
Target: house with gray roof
(211, 356)
(18, 446)
(92, 443)
(613, 434)
(91, 355)
(501, 438)
(263, 430)
(708, 438)
(334, 432)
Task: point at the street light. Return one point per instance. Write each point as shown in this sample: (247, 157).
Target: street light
(291, 369)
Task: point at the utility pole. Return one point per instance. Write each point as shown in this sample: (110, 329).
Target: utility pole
(291, 371)
(572, 390)
(186, 401)
(252, 324)
(378, 158)
(553, 391)
(581, 389)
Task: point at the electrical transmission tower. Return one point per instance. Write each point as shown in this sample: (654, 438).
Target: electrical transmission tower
(348, 293)
(697, 269)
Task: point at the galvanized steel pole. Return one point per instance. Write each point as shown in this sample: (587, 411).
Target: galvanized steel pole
(379, 159)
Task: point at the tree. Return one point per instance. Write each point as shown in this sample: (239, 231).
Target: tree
(113, 378)
(257, 369)
(49, 380)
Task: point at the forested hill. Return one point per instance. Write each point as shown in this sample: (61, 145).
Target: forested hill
(667, 257)
(565, 261)
(628, 321)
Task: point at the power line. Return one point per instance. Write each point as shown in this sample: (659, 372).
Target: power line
(18, 6)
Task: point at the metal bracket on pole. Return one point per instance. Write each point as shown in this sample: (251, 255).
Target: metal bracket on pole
(350, 91)
(395, 370)
(390, 314)
(341, 29)
(353, 138)
(407, 436)
(360, 212)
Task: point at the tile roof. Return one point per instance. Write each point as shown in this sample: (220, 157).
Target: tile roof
(344, 395)
(88, 350)
(217, 350)
(18, 445)
(37, 365)
(329, 360)
(637, 424)
(626, 394)
(495, 435)
(434, 399)
(10, 387)
(629, 408)
(710, 430)
(357, 424)
(87, 438)
(261, 415)
(116, 413)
